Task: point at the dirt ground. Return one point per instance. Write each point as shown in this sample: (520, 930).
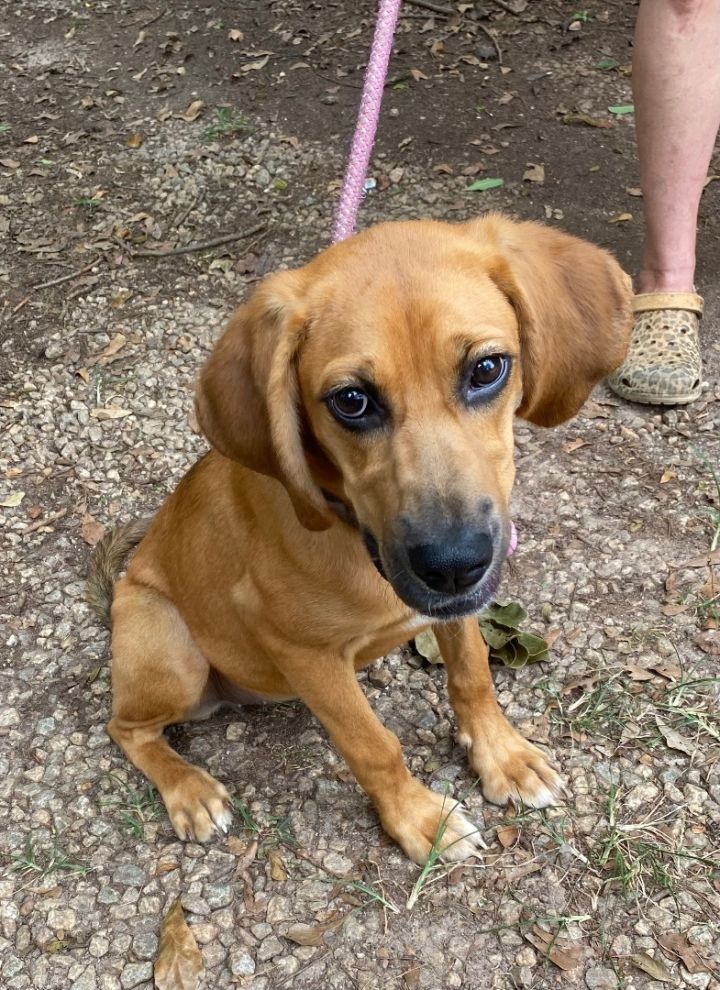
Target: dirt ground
(129, 129)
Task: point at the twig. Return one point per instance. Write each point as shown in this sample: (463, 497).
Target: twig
(20, 305)
(186, 213)
(435, 7)
(39, 523)
(488, 33)
(201, 245)
(66, 278)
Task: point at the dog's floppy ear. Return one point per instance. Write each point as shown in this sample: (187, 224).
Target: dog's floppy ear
(573, 304)
(247, 397)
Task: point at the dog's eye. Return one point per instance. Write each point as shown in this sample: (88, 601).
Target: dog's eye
(487, 371)
(349, 403)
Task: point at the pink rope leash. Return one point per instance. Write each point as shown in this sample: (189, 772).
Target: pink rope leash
(367, 120)
(364, 138)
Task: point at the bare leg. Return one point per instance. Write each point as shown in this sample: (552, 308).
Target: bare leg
(509, 767)
(676, 83)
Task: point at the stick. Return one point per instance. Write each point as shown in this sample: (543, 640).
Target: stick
(491, 36)
(66, 278)
(435, 7)
(201, 245)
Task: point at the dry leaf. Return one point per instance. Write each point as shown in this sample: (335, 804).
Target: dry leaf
(33, 139)
(115, 345)
(653, 967)
(586, 120)
(708, 641)
(638, 673)
(411, 977)
(9, 163)
(566, 957)
(91, 530)
(678, 945)
(109, 412)
(633, 190)
(135, 140)
(418, 75)
(534, 173)
(258, 63)
(674, 739)
(713, 557)
(621, 218)
(277, 866)
(234, 34)
(671, 610)
(666, 476)
(179, 964)
(313, 934)
(508, 836)
(193, 111)
(427, 646)
(670, 671)
(574, 445)
(12, 501)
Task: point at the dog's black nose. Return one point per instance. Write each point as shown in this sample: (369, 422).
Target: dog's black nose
(452, 568)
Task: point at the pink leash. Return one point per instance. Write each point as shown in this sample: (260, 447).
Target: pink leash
(364, 138)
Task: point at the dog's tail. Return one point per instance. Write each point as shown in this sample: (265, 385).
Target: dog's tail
(106, 563)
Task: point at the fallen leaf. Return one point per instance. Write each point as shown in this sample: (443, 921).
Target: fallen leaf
(671, 610)
(9, 163)
(508, 836)
(193, 111)
(427, 646)
(109, 412)
(621, 218)
(709, 179)
(622, 109)
(313, 934)
(534, 173)
(480, 185)
(418, 75)
(258, 63)
(585, 120)
(411, 977)
(633, 190)
(33, 139)
(712, 557)
(592, 410)
(666, 476)
(277, 866)
(653, 967)
(574, 445)
(234, 34)
(708, 641)
(638, 673)
(566, 958)
(91, 530)
(179, 964)
(12, 501)
(110, 350)
(670, 671)
(678, 945)
(135, 140)
(674, 740)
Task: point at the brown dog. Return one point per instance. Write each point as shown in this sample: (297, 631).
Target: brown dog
(361, 410)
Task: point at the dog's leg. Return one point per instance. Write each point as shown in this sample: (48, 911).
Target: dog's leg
(509, 767)
(159, 677)
(414, 816)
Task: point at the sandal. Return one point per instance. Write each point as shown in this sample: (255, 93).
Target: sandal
(662, 365)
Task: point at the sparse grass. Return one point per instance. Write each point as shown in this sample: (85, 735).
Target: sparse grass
(435, 862)
(141, 807)
(226, 123)
(249, 823)
(4, 128)
(135, 808)
(41, 862)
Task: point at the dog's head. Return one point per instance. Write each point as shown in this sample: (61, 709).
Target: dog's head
(388, 372)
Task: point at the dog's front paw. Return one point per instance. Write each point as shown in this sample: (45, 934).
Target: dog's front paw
(512, 769)
(198, 805)
(421, 821)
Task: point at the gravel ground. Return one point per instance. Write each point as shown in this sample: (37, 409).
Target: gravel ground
(616, 513)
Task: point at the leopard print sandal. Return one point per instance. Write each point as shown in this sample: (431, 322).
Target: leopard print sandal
(662, 365)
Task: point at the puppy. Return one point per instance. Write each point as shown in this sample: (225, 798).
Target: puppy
(361, 414)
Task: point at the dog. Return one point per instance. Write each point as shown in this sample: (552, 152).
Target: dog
(360, 411)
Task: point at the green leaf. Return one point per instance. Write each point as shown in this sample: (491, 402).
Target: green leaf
(607, 64)
(480, 185)
(537, 648)
(624, 108)
(511, 615)
(494, 637)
